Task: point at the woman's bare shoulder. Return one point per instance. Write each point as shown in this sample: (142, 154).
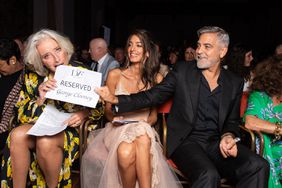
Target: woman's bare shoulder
(114, 73)
(159, 77)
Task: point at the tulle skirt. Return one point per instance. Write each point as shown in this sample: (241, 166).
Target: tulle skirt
(99, 168)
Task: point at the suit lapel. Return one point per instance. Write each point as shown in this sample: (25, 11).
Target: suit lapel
(226, 94)
(194, 79)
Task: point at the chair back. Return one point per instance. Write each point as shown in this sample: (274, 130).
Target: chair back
(163, 110)
(244, 103)
(165, 107)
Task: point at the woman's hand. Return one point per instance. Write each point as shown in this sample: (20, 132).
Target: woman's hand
(116, 118)
(77, 118)
(106, 95)
(44, 87)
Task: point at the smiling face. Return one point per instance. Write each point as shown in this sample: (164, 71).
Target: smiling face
(135, 50)
(51, 54)
(209, 51)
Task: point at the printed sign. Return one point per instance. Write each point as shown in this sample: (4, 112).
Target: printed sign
(76, 85)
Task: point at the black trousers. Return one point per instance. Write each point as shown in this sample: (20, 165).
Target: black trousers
(204, 165)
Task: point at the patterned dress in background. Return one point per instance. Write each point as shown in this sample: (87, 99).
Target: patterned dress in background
(261, 105)
(28, 112)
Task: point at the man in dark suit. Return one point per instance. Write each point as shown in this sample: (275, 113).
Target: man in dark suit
(203, 125)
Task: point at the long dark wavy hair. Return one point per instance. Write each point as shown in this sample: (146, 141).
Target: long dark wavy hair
(151, 65)
(235, 60)
(268, 76)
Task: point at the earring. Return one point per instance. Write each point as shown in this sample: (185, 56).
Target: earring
(13, 62)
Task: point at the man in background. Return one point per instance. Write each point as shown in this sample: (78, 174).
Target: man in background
(103, 61)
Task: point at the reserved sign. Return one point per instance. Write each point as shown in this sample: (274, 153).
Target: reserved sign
(76, 85)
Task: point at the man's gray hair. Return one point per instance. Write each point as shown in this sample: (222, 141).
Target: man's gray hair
(222, 35)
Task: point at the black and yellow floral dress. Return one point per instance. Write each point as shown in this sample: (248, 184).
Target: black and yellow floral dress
(28, 112)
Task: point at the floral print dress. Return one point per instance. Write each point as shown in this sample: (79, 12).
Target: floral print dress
(28, 112)
(261, 105)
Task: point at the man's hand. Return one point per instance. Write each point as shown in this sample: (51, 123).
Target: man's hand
(106, 95)
(228, 146)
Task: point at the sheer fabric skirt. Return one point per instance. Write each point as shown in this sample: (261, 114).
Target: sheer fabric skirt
(99, 167)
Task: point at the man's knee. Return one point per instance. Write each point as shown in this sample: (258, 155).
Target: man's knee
(208, 177)
(261, 164)
(255, 165)
(207, 174)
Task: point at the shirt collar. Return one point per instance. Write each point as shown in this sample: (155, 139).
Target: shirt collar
(100, 62)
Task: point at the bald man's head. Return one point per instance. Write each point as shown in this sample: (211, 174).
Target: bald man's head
(98, 48)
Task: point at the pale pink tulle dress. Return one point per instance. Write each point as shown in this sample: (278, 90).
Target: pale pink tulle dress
(99, 167)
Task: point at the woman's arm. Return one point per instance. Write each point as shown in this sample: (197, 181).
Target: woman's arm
(153, 117)
(111, 82)
(256, 124)
(28, 108)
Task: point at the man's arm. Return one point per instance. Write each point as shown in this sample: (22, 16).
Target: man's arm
(106, 95)
(232, 122)
(152, 97)
(230, 134)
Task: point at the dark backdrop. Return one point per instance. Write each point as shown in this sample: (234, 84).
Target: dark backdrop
(170, 21)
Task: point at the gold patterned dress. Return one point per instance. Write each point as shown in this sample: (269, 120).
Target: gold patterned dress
(28, 112)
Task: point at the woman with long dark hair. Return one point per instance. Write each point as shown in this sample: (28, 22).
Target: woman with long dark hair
(129, 154)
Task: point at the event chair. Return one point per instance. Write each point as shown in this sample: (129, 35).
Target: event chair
(250, 138)
(164, 110)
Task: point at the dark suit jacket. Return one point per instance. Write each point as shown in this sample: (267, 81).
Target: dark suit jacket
(183, 85)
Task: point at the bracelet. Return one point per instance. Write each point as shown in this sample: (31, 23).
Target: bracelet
(276, 132)
(237, 139)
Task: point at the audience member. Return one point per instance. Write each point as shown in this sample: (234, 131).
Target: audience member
(11, 70)
(203, 124)
(21, 45)
(84, 57)
(278, 49)
(104, 62)
(46, 160)
(119, 55)
(264, 114)
(173, 57)
(164, 69)
(189, 54)
(240, 61)
(129, 154)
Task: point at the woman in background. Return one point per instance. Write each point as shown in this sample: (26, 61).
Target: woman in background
(11, 79)
(264, 114)
(240, 61)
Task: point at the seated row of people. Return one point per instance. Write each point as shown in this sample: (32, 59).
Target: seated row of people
(203, 126)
